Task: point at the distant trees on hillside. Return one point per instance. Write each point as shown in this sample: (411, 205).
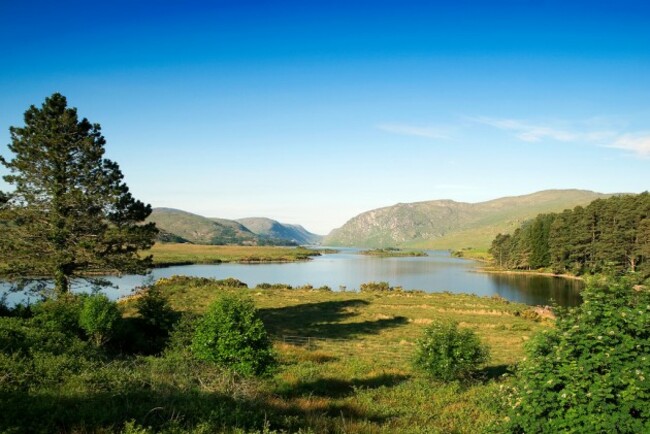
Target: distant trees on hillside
(608, 235)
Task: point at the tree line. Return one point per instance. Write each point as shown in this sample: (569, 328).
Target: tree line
(607, 236)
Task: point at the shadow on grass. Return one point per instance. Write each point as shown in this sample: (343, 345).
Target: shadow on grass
(180, 411)
(493, 372)
(337, 388)
(324, 320)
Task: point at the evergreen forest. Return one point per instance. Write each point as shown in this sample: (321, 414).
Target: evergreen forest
(609, 236)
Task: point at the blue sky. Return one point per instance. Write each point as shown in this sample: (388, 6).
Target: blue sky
(312, 112)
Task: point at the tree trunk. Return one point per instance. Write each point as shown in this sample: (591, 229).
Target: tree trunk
(61, 282)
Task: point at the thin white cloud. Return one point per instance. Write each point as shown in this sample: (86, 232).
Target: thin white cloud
(638, 144)
(411, 130)
(531, 132)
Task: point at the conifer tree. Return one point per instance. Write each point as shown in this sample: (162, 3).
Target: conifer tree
(69, 213)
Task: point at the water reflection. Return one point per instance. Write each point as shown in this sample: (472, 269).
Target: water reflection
(434, 273)
(538, 289)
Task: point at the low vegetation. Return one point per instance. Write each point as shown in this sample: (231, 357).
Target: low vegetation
(448, 353)
(184, 254)
(591, 372)
(232, 336)
(204, 355)
(392, 252)
(480, 255)
(344, 363)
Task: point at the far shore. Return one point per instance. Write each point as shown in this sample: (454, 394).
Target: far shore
(526, 272)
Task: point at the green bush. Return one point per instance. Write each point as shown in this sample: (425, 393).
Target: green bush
(155, 311)
(61, 314)
(448, 353)
(231, 335)
(231, 282)
(592, 372)
(99, 318)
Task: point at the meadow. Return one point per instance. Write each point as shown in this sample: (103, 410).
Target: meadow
(393, 253)
(345, 357)
(344, 365)
(166, 254)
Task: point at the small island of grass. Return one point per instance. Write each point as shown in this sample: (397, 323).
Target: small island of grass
(392, 252)
(168, 254)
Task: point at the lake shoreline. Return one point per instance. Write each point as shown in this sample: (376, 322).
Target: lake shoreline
(488, 270)
(235, 261)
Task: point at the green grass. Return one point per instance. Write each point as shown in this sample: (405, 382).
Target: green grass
(481, 255)
(181, 254)
(344, 367)
(392, 253)
(355, 373)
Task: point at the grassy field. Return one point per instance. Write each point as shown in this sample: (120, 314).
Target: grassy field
(392, 253)
(344, 366)
(181, 254)
(481, 255)
(345, 357)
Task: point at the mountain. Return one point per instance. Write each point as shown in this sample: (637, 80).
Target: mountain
(280, 231)
(176, 224)
(446, 224)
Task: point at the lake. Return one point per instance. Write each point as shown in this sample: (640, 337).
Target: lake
(348, 270)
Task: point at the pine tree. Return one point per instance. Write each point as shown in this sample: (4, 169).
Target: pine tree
(70, 213)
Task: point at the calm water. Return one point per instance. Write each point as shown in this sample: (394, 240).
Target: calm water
(436, 273)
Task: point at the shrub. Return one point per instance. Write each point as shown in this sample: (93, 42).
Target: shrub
(448, 353)
(231, 282)
(155, 311)
(61, 314)
(99, 318)
(265, 285)
(592, 372)
(231, 335)
(379, 287)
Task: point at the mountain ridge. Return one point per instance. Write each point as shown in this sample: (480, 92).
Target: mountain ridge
(176, 225)
(447, 224)
(265, 226)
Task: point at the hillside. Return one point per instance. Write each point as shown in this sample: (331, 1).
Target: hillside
(200, 230)
(446, 224)
(273, 229)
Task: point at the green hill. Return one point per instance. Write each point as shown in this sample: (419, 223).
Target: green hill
(280, 231)
(446, 224)
(200, 230)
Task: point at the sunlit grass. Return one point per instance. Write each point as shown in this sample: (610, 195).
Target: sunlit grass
(177, 254)
(355, 373)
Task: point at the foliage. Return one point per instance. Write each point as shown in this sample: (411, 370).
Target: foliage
(448, 353)
(358, 381)
(157, 319)
(592, 372)
(231, 335)
(70, 211)
(608, 236)
(99, 317)
(379, 287)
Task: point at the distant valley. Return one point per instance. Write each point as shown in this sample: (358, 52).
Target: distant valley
(435, 224)
(182, 226)
(446, 224)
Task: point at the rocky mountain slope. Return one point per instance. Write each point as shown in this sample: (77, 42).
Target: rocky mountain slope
(446, 224)
(273, 229)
